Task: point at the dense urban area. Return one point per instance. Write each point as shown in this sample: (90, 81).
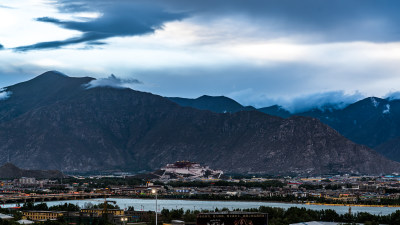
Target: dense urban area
(185, 180)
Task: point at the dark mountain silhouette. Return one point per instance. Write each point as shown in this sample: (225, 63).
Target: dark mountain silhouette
(222, 104)
(276, 110)
(43, 90)
(218, 104)
(9, 170)
(104, 128)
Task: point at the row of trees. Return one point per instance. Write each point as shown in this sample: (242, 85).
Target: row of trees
(43, 206)
(279, 216)
(66, 207)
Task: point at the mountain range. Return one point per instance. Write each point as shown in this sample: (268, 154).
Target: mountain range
(372, 121)
(56, 122)
(10, 171)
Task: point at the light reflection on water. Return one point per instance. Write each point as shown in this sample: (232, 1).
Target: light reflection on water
(149, 204)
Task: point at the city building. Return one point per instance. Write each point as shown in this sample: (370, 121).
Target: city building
(5, 217)
(186, 168)
(42, 215)
(27, 180)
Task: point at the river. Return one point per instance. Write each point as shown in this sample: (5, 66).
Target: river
(149, 204)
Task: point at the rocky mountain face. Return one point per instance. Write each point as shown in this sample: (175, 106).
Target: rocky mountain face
(391, 149)
(373, 122)
(10, 171)
(68, 127)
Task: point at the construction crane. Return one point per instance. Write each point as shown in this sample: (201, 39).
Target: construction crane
(105, 204)
(105, 211)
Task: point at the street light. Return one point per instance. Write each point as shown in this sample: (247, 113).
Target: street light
(124, 219)
(154, 191)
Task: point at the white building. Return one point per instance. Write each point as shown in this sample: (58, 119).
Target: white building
(27, 180)
(190, 168)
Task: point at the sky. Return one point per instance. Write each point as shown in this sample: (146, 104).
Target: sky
(295, 53)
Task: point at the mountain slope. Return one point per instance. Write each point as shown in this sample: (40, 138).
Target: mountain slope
(218, 104)
(43, 90)
(222, 104)
(275, 110)
(390, 149)
(371, 121)
(108, 129)
(8, 170)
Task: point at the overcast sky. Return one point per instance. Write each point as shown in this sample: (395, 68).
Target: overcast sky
(257, 52)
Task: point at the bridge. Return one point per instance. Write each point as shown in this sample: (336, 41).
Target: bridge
(22, 198)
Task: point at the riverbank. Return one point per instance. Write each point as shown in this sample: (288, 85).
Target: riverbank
(186, 204)
(351, 205)
(236, 200)
(263, 200)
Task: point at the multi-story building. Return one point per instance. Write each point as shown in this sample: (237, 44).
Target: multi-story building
(27, 180)
(43, 215)
(191, 169)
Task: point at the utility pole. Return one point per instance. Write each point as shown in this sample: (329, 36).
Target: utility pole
(154, 191)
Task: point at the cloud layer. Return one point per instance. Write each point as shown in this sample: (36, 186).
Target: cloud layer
(392, 96)
(301, 103)
(5, 7)
(341, 20)
(322, 101)
(258, 52)
(312, 20)
(120, 19)
(4, 94)
(112, 81)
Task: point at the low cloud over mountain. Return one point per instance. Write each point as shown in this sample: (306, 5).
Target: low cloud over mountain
(112, 81)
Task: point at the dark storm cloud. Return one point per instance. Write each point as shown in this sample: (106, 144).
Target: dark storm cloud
(96, 43)
(118, 20)
(90, 36)
(339, 20)
(324, 21)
